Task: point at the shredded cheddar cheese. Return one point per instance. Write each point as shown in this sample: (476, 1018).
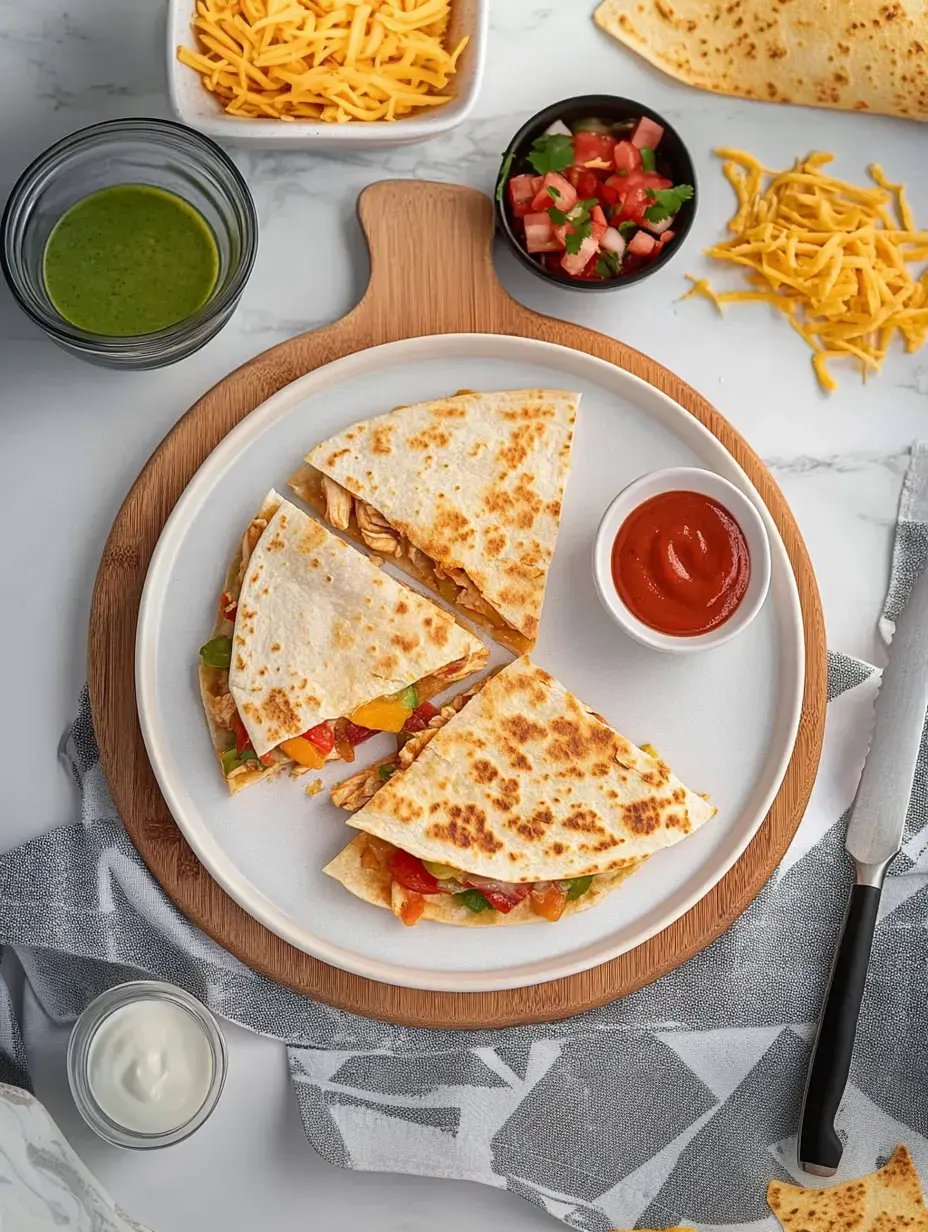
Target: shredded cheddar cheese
(330, 60)
(831, 256)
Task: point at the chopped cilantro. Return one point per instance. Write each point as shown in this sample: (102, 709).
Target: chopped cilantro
(574, 238)
(552, 192)
(551, 152)
(647, 158)
(504, 175)
(558, 217)
(627, 227)
(667, 202)
(621, 172)
(609, 264)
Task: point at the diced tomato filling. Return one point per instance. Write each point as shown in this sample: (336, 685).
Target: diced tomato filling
(626, 157)
(353, 734)
(642, 244)
(242, 738)
(322, 736)
(420, 717)
(647, 134)
(593, 148)
(412, 874)
(522, 191)
(555, 190)
(412, 908)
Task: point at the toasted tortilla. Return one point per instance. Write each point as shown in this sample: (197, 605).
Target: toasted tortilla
(854, 55)
(320, 630)
(525, 783)
(474, 482)
(375, 886)
(889, 1200)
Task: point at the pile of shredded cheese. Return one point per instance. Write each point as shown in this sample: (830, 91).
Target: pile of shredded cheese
(829, 255)
(333, 60)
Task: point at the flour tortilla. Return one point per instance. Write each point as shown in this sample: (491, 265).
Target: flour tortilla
(476, 482)
(375, 886)
(855, 55)
(526, 784)
(889, 1200)
(320, 630)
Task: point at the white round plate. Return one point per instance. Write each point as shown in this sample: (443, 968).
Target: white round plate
(725, 721)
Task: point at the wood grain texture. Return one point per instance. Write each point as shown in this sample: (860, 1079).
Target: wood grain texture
(448, 290)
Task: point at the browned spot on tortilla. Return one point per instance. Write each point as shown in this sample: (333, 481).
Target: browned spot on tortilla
(431, 436)
(674, 821)
(523, 729)
(405, 642)
(402, 607)
(533, 828)
(643, 816)
(380, 439)
(387, 665)
(333, 457)
(449, 410)
(532, 407)
(494, 543)
(275, 647)
(239, 662)
(484, 771)
(583, 821)
(577, 741)
(658, 776)
(277, 709)
(466, 828)
(437, 632)
(522, 441)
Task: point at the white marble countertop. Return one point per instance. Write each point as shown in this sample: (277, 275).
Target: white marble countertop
(74, 437)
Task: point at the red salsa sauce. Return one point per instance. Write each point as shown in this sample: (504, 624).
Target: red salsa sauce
(680, 563)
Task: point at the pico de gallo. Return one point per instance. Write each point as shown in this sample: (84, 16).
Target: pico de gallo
(415, 880)
(594, 200)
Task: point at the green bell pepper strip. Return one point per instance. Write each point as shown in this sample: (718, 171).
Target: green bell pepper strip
(232, 760)
(473, 900)
(408, 697)
(217, 652)
(386, 771)
(578, 887)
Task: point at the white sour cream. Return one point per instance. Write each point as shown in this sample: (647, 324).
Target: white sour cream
(150, 1066)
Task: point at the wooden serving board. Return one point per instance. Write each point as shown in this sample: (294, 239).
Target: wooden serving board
(438, 289)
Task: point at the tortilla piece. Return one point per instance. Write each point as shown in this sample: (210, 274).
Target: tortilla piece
(319, 631)
(473, 484)
(526, 784)
(855, 55)
(214, 681)
(375, 886)
(889, 1200)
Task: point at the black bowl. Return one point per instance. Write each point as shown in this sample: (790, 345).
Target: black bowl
(673, 159)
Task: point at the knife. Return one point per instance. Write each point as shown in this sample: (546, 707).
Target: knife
(874, 837)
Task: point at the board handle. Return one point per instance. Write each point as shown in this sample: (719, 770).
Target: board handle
(431, 261)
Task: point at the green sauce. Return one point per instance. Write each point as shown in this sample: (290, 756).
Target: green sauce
(129, 260)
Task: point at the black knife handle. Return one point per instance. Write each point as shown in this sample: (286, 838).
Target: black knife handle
(820, 1147)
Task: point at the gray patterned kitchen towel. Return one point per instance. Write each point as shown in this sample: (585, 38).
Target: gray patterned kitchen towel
(673, 1106)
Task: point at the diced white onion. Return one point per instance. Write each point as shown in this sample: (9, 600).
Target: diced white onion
(558, 129)
(658, 228)
(612, 241)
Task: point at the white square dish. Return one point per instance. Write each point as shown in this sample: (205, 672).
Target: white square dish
(193, 104)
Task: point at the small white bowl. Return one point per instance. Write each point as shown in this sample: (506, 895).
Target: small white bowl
(742, 509)
(193, 104)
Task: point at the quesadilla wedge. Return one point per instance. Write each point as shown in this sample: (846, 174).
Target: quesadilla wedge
(315, 649)
(463, 493)
(516, 804)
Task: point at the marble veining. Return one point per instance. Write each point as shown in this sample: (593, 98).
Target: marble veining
(43, 1184)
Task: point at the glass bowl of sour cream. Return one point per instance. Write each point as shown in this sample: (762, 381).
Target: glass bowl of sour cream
(146, 1064)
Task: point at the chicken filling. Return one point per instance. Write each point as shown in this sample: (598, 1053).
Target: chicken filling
(347, 512)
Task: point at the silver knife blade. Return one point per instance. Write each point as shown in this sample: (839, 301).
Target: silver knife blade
(874, 833)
